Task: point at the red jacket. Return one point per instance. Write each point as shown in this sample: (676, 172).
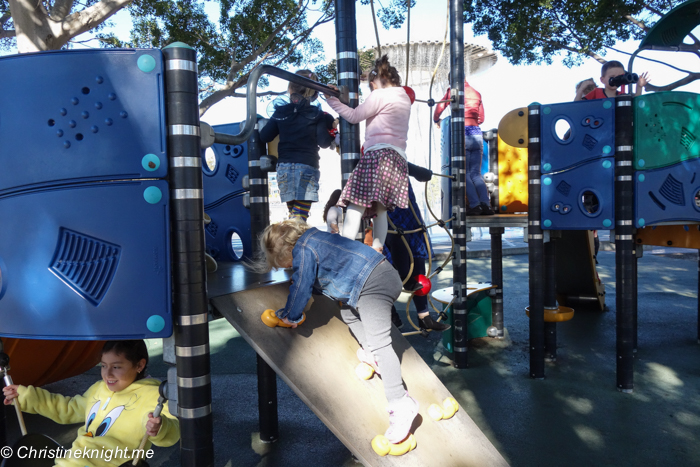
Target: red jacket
(473, 106)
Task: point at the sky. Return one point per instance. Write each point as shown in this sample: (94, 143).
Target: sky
(504, 87)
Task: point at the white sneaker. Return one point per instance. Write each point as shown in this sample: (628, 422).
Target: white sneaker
(402, 412)
(368, 358)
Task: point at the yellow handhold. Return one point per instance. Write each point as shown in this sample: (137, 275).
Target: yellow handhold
(364, 371)
(448, 409)
(382, 446)
(270, 319)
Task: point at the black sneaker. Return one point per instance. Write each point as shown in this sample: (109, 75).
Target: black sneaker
(486, 210)
(428, 324)
(475, 211)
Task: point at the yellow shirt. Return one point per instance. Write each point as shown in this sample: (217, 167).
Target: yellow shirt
(114, 422)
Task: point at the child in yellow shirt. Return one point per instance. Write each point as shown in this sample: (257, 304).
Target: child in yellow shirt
(117, 411)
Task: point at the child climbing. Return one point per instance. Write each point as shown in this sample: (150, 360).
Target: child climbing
(609, 70)
(302, 128)
(477, 193)
(356, 275)
(117, 411)
(397, 253)
(380, 179)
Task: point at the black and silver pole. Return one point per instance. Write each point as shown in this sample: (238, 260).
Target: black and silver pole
(459, 193)
(625, 250)
(550, 299)
(535, 240)
(497, 279)
(349, 76)
(191, 327)
(259, 220)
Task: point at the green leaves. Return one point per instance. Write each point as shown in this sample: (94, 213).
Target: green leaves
(527, 31)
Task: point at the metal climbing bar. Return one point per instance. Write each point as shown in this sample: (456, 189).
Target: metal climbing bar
(252, 99)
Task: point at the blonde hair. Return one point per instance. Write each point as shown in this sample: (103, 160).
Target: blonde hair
(306, 93)
(276, 244)
(589, 87)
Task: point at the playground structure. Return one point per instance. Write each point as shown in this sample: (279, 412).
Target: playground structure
(165, 187)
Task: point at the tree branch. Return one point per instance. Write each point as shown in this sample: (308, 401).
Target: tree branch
(238, 66)
(7, 33)
(591, 54)
(60, 9)
(669, 87)
(84, 20)
(638, 23)
(5, 18)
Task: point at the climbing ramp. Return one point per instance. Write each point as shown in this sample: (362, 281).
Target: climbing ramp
(317, 360)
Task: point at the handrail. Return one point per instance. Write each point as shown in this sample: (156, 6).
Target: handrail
(251, 99)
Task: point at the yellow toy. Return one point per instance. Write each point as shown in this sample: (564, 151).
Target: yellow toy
(382, 446)
(270, 319)
(448, 409)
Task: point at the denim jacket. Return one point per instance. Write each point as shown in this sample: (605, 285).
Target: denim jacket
(331, 264)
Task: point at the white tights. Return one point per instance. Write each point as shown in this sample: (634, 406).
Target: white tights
(353, 220)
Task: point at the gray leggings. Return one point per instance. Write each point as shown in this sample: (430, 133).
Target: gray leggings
(370, 322)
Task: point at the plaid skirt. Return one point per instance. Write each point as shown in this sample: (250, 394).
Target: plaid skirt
(380, 176)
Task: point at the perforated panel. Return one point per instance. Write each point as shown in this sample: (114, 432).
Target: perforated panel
(666, 129)
(668, 194)
(98, 114)
(591, 133)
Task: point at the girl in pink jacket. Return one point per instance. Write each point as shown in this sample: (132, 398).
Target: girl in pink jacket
(380, 179)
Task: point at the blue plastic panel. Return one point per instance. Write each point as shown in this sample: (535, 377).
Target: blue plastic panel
(228, 220)
(86, 262)
(81, 115)
(230, 165)
(591, 136)
(668, 194)
(582, 198)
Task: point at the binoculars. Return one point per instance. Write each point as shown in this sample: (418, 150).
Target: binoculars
(625, 78)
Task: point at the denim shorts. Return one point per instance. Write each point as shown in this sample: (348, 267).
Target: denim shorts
(297, 182)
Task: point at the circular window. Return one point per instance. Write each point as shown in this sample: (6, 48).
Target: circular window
(210, 162)
(590, 203)
(236, 245)
(562, 130)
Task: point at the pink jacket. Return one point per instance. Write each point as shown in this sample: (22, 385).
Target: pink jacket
(387, 112)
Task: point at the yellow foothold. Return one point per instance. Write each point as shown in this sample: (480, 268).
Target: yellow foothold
(382, 446)
(364, 371)
(450, 407)
(435, 412)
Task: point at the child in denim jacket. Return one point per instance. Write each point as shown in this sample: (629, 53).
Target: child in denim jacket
(368, 286)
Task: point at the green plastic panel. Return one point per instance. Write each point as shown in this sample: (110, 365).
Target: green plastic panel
(674, 26)
(479, 318)
(666, 129)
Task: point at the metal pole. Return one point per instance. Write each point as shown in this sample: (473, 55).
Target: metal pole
(191, 327)
(493, 167)
(624, 243)
(348, 75)
(459, 193)
(550, 300)
(3, 417)
(259, 220)
(497, 278)
(535, 245)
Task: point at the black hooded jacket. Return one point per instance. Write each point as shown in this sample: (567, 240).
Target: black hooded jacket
(302, 128)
